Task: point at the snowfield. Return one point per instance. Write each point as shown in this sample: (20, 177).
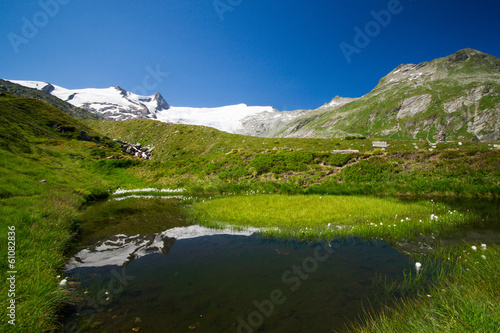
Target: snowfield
(226, 118)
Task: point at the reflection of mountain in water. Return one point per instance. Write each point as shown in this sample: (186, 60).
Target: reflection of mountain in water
(122, 249)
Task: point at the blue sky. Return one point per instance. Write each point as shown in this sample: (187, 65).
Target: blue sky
(284, 53)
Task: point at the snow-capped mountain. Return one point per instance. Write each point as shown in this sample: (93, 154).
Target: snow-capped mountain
(112, 103)
(115, 103)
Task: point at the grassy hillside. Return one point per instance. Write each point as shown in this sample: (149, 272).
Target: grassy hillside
(205, 159)
(175, 141)
(43, 184)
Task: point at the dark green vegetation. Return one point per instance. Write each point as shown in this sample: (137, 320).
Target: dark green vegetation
(206, 160)
(53, 165)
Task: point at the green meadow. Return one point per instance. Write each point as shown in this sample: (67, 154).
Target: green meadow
(54, 168)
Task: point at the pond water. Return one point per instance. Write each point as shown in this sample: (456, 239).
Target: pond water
(147, 273)
(227, 283)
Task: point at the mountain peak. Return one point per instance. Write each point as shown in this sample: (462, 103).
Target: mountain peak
(451, 98)
(161, 103)
(467, 51)
(122, 91)
(470, 61)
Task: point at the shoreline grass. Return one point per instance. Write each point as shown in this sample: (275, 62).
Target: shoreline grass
(311, 217)
(465, 300)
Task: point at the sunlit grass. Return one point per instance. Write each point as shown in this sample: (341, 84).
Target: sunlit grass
(45, 215)
(326, 217)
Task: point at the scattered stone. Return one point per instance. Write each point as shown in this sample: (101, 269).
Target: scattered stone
(348, 151)
(441, 136)
(83, 136)
(136, 149)
(96, 324)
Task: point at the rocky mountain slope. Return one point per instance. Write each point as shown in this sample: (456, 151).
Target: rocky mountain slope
(455, 97)
(22, 91)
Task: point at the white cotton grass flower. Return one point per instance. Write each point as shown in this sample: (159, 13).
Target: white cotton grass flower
(483, 247)
(63, 282)
(418, 267)
(483, 256)
(474, 247)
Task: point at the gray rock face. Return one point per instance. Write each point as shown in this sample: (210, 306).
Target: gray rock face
(48, 88)
(161, 103)
(414, 105)
(269, 124)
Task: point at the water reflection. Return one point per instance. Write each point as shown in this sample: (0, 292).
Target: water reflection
(122, 249)
(184, 280)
